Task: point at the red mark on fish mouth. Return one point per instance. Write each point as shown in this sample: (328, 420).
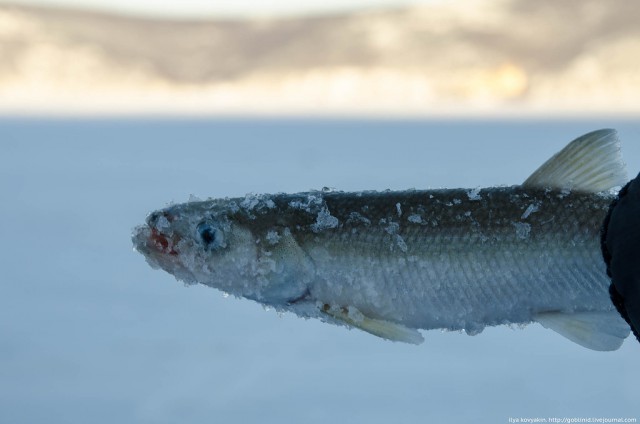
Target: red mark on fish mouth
(161, 242)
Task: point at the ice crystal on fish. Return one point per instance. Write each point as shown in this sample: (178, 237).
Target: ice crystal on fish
(272, 237)
(324, 221)
(311, 204)
(355, 217)
(399, 209)
(530, 209)
(474, 194)
(392, 228)
(401, 244)
(415, 218)
(162, 223)
(257, 202)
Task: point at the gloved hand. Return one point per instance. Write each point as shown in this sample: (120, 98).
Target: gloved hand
(621, 250)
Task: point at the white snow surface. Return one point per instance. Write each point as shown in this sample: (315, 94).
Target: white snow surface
(90, 333)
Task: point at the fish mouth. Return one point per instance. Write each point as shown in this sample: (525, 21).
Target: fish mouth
(148, 240)
(160, 252)
(155, 244)
(162, 243)
(153, 238)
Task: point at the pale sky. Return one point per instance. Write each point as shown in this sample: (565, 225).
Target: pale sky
(204, 8)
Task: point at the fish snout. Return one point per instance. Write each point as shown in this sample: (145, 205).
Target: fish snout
(160, 237)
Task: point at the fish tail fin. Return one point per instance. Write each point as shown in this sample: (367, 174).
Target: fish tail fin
(602, 331)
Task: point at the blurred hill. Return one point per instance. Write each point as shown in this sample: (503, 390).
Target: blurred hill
(466, 57)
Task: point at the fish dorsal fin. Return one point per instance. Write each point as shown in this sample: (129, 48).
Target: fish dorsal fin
(602, 331)
(378, 327)
(589, 164)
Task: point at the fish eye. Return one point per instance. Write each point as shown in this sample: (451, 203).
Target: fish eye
(211, 236)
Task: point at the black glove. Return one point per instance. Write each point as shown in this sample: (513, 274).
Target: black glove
(621, 250)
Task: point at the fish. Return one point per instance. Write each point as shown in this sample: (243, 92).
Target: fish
(393, 263)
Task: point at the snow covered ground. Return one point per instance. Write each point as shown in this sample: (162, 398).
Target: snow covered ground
(90, 333)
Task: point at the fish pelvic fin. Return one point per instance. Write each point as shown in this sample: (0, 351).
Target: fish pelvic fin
(602, 331)
(591, 163)
(352, 317)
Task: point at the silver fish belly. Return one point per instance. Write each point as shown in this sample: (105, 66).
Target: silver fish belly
(390, 263)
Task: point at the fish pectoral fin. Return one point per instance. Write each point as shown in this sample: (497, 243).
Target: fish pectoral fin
(602, 331)
(352, 317)
(591, 163)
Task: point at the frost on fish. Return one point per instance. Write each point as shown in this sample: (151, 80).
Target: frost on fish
(272, 237)
(394, 262)
(358, 218)
(533, 207)
(474, 194)
(399, 209)
(415, 219)
(324, 221)
(256, 202)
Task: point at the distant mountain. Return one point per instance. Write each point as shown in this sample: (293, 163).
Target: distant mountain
(466, 57)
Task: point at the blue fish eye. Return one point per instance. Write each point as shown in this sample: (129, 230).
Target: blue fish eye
(211, 236)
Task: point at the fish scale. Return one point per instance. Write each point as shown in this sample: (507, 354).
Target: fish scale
(567, 260)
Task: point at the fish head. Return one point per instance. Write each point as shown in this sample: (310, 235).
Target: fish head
(225, 246)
